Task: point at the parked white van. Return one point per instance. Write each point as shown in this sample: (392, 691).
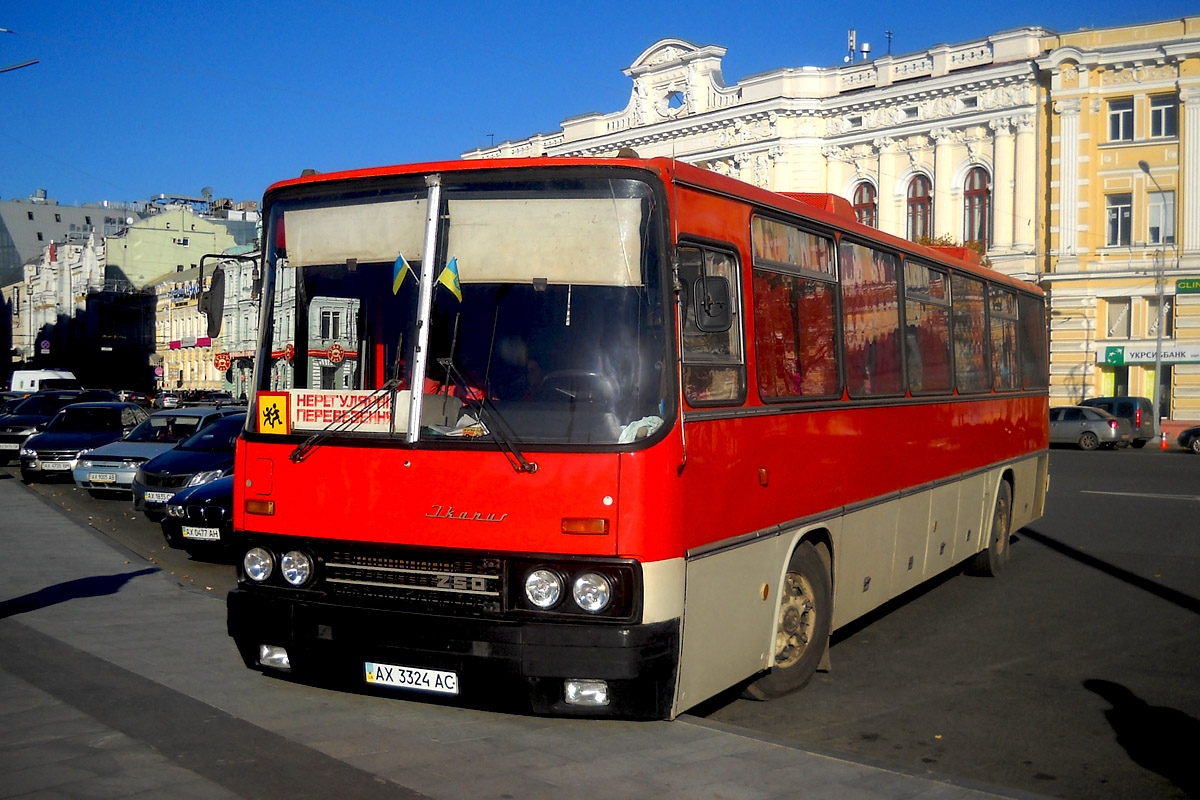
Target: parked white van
(29, 381)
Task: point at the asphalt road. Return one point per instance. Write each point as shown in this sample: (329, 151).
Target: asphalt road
(1076, 674)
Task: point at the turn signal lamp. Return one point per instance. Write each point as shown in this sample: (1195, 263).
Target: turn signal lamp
(263, 507)
(585, 526)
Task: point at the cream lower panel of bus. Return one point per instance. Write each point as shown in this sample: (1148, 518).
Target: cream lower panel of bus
(662, 593)
(732, 599)
(1029, 496)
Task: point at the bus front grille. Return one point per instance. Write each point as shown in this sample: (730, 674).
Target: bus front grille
(459, 586)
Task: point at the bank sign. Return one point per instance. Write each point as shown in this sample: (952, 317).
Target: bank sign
(1120, 355)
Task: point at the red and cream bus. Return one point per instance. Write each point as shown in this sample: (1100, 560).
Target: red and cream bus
(611, 436)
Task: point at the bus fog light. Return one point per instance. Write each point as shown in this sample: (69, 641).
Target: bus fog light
(274, 656)
(543, 588)
(258, 564)
(579, 692)
(296, 567)
(592, 592)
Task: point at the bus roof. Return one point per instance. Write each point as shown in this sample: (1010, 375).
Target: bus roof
(819, 207)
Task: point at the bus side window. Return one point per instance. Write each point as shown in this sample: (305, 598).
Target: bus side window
(714, 371)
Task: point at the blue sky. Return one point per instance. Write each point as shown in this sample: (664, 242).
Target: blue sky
(132, 99)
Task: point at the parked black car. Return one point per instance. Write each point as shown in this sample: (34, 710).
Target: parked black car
(36, 409)
(199, 520)
(74, 431)
(201, 458)
(1189, 439)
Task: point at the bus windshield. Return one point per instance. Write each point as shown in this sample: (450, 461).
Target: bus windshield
(545, 311)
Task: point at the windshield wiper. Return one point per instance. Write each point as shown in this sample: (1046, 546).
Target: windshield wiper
(350, 420)
(485, 406)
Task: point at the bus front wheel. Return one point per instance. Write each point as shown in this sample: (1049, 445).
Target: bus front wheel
(802, 634)
(992, 559)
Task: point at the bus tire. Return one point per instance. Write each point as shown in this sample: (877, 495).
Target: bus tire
(805, 619)
(991, 560)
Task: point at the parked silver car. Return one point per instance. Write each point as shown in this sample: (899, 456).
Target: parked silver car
(1088, 428)
(110, 469)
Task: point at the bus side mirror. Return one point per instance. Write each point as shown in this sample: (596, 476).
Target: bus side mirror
(714, 313)
(212, 303)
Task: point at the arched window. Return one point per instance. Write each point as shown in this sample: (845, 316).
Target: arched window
(977, 208)
(920, 208)
(864, 204)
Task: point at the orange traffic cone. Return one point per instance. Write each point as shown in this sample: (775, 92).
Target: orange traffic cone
(1162, 443)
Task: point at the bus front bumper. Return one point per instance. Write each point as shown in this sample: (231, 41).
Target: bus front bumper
(494, 663)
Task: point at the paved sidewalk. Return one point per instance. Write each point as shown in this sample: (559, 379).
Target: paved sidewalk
(118, 681)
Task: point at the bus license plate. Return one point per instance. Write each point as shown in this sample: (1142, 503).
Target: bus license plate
(102, 477)
(412, 678)
(202, 534)
(158, 497)
(56, 466)
(10, 446)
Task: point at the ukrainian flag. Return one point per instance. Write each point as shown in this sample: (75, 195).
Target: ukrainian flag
(399, 273)
(449, 279)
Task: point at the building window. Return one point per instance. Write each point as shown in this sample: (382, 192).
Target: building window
(331, 325)
(58, 217)
(1167, 317)
(1162, 218)
(920, 208)
(1164, 117)
(976, 208)
(40, 239)
(864, 204)
(30, 215)
(1120, 120)
(1119, 209)
(1117, 322)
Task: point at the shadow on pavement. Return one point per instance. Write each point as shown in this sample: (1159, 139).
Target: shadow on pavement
(94, 586)
(1163, 740)
(1180, 599)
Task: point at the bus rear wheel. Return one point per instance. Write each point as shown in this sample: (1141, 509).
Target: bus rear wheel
(991, 560)
(805, 618)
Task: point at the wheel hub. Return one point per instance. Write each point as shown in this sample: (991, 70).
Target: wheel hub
(796, 620)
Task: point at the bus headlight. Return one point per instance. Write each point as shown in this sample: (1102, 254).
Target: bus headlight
(296, 567)
(543, 588)
(592, 592)
(258, 564)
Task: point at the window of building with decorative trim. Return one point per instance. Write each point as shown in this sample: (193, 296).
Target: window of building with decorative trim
(1117, 318)
(1164, 117)
(919, 208)
(1118, 210)
(977, 208)
(1120, 120)
(1161, 218)
(865, 208)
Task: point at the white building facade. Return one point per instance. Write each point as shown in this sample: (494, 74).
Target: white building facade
(940, 143)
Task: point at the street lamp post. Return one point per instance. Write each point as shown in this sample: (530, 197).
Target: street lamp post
(1158, 294)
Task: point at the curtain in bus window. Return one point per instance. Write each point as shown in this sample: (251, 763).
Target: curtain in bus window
(927, 331)
(794, 320)
(871, 319)
(1032, 341)
(1002, 319)
(970, 323)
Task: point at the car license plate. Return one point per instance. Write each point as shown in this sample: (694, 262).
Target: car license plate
(158, 497)
(202, 534)
(412, 678)
(56, 466)
(102, 477)
(10, 446)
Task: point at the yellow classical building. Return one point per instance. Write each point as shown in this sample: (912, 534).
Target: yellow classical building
(1121, 111)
